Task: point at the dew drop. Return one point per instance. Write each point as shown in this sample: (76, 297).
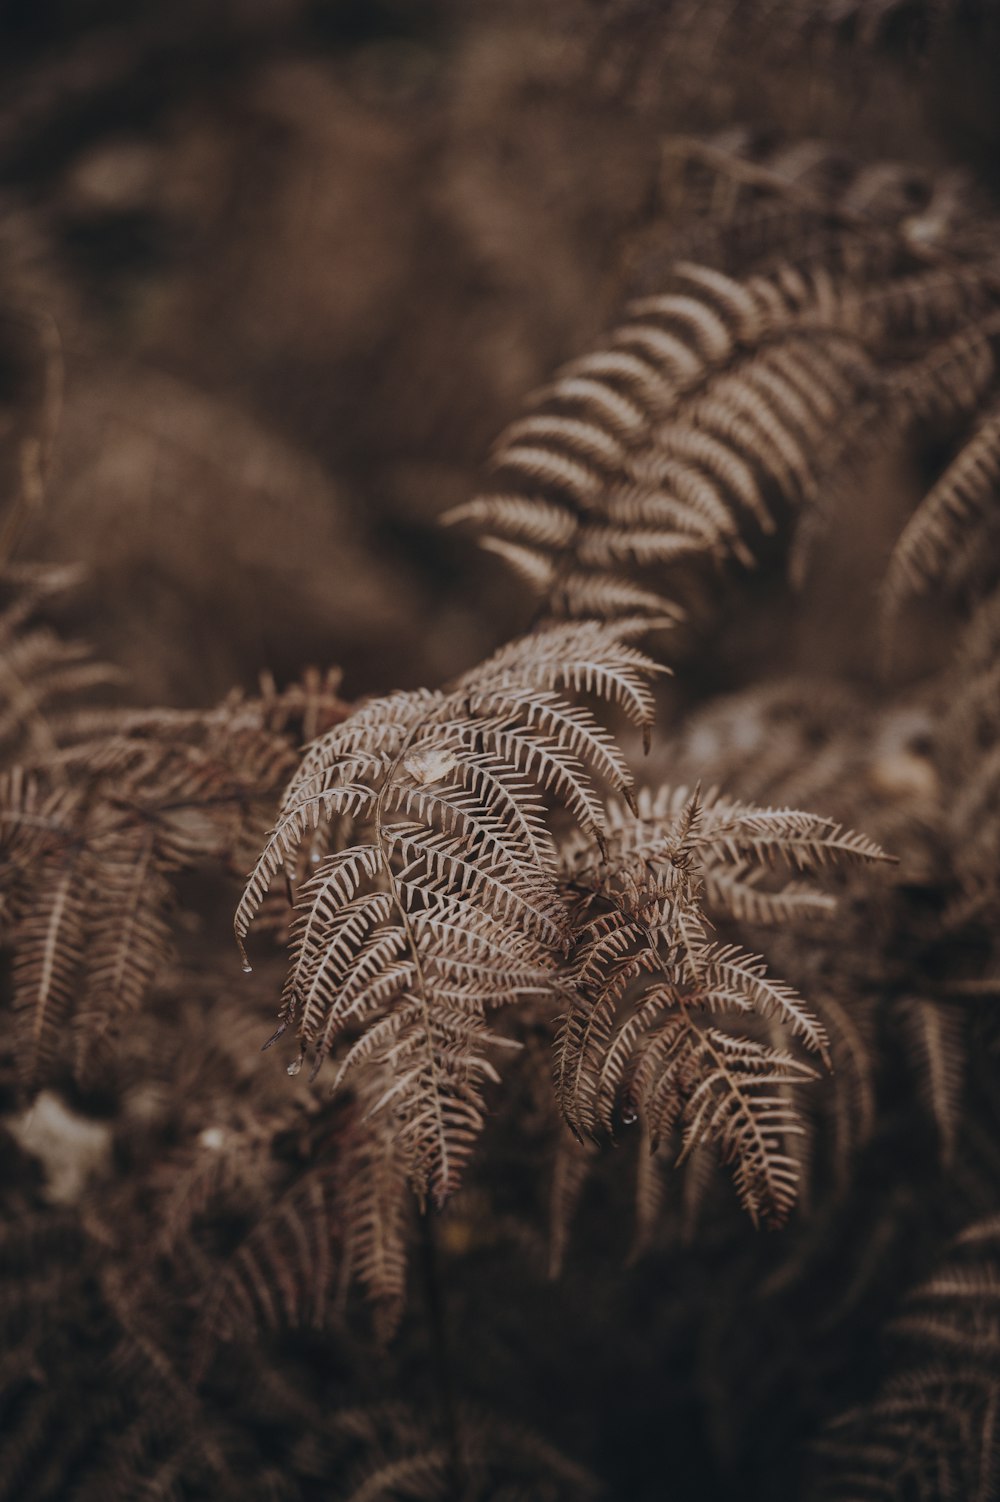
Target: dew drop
(247, 968)
(295, 1065)
(630, 1117)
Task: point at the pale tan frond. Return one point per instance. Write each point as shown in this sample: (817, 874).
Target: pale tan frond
(934, 1037)
(716, 404)
(956, 506)
(737, 835)
(733, 978)
(737, 891)
(51, 940)
(951, 381)
(94, 838)
(663, 1022)
(129, 941)
(582, 596)
(515, 518)
(852, 1050)
(530, 565)
(374, 1207)
(445, 904)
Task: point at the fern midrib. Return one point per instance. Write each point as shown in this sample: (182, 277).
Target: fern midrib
(411, 939)
(732, 1084)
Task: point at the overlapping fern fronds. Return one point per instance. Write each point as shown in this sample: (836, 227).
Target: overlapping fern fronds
(100, 810)
(761, 362)
(667, 1024)
(440, 901)
(91, 839)
(933, 1428)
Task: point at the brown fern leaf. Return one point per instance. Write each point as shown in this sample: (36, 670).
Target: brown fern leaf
(282, 1274)
(727, 401)
(41, 673)
(445, 904)
(50, 943)
(713, 409)
(663, 1023)
(93, 838)
(743, 196)
(128, 942)
(933, 1428)
(955, 508)
(487, 1457)
(934, 1037)
(375, 1210)
(949, 384)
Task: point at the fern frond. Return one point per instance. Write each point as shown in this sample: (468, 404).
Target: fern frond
(933, 1428)
(42, 674)
(281, 1276)
(374, 1209)
(93, 835)
(933, 1035)
(445, 904)
(52, 934)
(711, 406)
(661, 1025)
(957, 505)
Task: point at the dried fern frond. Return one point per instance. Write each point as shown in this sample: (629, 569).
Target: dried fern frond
(709, 412)
(281, 1276)
(374, 1209)
(750, 198)
(952, 513)
(934, 1036)
(402, 1455)
(93, 837)
(41, 673)
(933, 1429)
(726, 400)
(663, 1024)
(444, 905)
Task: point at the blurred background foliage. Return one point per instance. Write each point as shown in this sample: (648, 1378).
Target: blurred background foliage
(273, 274)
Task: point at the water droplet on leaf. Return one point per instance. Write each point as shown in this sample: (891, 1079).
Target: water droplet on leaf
(295, 1065)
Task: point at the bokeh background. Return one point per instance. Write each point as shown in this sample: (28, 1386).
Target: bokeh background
(273, 274)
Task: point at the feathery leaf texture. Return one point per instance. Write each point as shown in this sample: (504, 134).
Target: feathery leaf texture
(42, 675)
(664, 1025)
(955, 511)
(95, 825)
(282, 1273)
(723, 403)
(933, 1428)
(933, 1034)
(712, 409)
(444, 905)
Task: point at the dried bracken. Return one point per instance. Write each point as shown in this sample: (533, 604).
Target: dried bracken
(543, 1020)
(932, 1428)
(444, 905)
(722, 405)
(665, 1021)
